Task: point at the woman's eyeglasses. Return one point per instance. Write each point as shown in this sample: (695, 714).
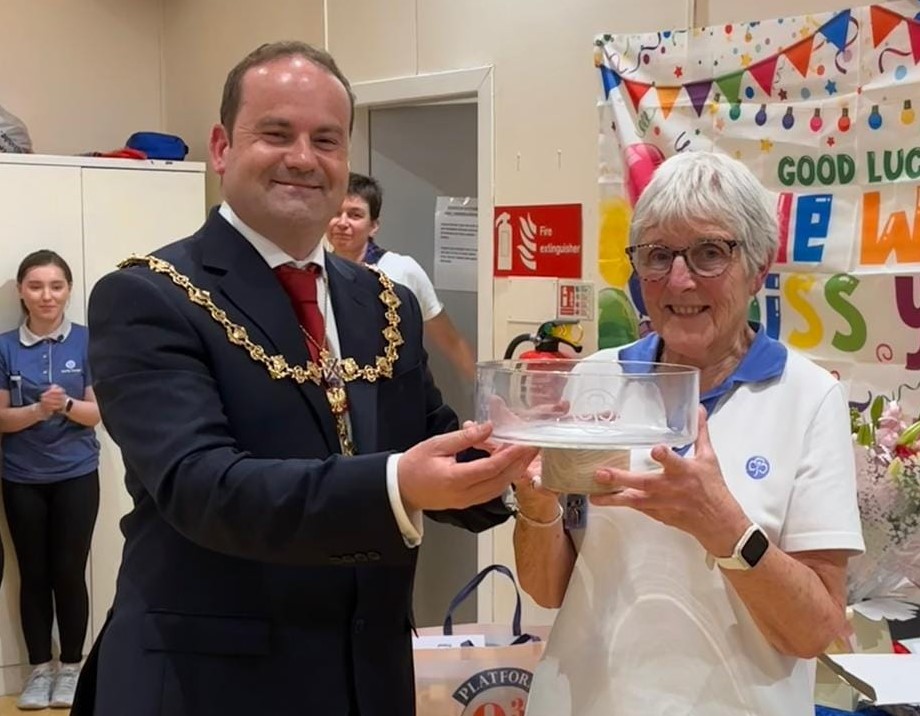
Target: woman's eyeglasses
(707, 258)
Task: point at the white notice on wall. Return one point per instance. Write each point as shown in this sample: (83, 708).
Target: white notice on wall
(456, 229)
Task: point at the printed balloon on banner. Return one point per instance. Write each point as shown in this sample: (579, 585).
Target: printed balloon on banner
(641, 161)
(618, 322)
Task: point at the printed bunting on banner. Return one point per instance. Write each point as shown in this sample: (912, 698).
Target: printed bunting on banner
(610, 79)
(667, 96)
(823, 108)
(835, 31)
(763, 73)
(913, 29)
(636, 91)
(731, 86)
(800, 55)
(884, 22)
(699, 93)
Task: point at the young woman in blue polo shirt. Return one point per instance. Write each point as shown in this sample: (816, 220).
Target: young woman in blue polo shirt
(50, 480)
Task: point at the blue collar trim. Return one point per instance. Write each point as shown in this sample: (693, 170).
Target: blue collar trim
(765, 360)
(373, 253)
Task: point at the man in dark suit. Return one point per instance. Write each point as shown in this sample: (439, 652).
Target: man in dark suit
(266, 569)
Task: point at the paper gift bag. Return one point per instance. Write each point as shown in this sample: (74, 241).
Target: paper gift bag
(870, 636)
(476, 669)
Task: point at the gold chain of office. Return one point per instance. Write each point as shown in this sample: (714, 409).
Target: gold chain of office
(345, 370)
(331, 371)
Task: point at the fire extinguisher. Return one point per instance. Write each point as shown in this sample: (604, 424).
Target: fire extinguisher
(548, 340)
(545, 386)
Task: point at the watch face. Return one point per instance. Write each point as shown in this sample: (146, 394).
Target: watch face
(755, 547)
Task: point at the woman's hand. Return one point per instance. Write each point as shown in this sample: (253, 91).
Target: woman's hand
(52, 401)
(689, 493)
(533, 499)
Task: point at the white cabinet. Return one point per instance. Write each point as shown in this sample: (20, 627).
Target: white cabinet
(94, 212)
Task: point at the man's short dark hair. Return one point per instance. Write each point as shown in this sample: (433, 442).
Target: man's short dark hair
(269, 52)
(368, 189)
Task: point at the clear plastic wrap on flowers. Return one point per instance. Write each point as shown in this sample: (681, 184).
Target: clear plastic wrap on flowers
(891, 526)
(887, 451)
(587, 413)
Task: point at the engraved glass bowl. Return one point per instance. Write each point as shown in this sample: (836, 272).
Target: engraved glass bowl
(593, 408)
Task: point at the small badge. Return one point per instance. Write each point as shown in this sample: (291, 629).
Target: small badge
(70, 365)
(757, 467)
(576, 512)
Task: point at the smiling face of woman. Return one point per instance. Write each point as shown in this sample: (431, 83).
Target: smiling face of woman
(44, 291)
(701, 319)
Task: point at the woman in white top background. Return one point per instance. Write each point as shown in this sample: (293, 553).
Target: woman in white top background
(351, 234)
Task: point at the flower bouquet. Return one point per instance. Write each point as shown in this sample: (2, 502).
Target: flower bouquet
(887, 450)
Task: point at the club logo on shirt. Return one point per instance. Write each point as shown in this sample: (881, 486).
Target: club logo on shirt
(495, 692)
(70, 366)
(757, 467)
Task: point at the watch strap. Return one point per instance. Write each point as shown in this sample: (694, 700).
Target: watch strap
(736, 560)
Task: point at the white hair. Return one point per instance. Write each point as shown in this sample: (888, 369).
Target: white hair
(693, 188)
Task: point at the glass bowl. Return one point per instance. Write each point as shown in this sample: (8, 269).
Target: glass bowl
(586, 406)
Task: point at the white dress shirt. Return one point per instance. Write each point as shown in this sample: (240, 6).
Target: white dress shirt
(411, 526)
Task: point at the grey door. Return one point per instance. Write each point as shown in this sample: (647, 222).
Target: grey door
(419, 153)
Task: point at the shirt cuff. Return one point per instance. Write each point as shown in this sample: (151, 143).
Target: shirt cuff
(410, 525)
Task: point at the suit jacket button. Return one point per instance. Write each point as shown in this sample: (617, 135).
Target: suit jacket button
(373, 556)
(359, 626)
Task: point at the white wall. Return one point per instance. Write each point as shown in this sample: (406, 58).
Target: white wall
(715, 12)
(203, 39)
(82, 74)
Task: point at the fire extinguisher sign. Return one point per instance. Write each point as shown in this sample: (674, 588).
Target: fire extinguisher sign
(540, 240)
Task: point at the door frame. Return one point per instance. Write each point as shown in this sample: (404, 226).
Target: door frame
(475, 84)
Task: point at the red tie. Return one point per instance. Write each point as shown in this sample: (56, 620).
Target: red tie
(300, 285)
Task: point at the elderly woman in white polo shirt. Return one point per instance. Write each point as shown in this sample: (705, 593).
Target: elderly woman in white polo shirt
(709, 583)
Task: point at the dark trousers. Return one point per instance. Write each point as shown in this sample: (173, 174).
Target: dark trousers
(52, 527)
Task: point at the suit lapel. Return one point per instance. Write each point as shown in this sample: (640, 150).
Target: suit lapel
(250, 285)
(359, 322)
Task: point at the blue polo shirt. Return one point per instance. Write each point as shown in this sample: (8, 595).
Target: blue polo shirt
(58, 448)
(765, 360)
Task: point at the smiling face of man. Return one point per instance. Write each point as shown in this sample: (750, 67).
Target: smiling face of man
(284, 162)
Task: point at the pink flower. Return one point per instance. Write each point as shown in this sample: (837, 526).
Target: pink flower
(890, 426)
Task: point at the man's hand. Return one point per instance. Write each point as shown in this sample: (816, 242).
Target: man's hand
(52, 401)
(533, 500)
(430, 478)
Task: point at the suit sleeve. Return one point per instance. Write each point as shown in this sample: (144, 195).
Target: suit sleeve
(161, 404)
